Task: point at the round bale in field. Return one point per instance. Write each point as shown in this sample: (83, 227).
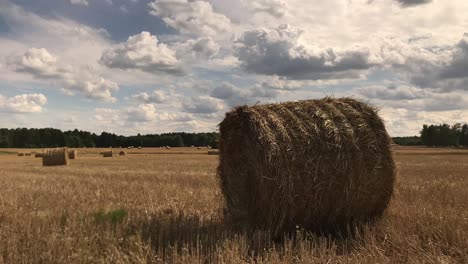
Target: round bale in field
(55, 157)
(122, 153)
(321, 165)
(107, 154)
(21, 154)
(73, 154)
(39, 155)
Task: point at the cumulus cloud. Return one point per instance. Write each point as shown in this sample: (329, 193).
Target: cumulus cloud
(142, 113)
(23, 103)
(190, 17)
(196, 49)
(202, 105)
(142, 52)
(38, 62)
(41, 64)
(275, 8)
(281, 52)
(79, 2)
(407, 3)
(157, 96)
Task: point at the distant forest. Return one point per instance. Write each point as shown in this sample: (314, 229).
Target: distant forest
(437, 136)
(430, 135)
(50, 137)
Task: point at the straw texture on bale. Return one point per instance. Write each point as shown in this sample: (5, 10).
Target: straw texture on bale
(39, 155)
(73, 154)
(107, 154)
(122, 153)
(321, 165)
(55, 157)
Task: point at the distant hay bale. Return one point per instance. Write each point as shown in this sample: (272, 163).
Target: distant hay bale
(122, 153)
(167, 147)
(199, 148)
(55, 157)
(213, 152)
(107, 154)
(73, 154)
(27, 154)
(321, 165)
(39, 155)
(20, 154)
(139, 147)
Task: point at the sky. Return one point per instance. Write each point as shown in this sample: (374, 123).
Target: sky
(154, 66)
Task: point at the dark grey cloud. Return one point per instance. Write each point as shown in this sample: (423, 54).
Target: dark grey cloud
(234, 96)
(408, 3)
(202, 105)
(440, 75)
(278, 52)
(413, 98)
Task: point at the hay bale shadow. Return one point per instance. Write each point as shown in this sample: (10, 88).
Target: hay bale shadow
(170, 232)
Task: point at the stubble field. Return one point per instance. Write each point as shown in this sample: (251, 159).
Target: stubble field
(164, 206)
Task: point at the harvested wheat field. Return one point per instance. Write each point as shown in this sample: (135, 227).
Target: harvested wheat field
(165, 206)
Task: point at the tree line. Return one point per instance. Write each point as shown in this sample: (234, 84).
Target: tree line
(437, 136)
(50, 137)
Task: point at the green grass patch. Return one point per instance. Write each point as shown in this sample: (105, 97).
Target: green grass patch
(7, 153)
(113, 217)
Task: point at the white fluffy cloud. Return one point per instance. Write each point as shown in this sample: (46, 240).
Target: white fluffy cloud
(157, 96)
(275, 8)
(41, 64)
(190, 17)
(23, 103)
(282, 52)
(142, 113)
(197, 49)
(142, 52)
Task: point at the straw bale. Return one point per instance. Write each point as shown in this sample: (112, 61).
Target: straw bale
(107, 154)
(55, 157)
(122, 153)
(321, 165)
(73, 154)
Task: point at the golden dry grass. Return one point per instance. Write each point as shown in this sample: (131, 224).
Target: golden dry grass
(167, 207)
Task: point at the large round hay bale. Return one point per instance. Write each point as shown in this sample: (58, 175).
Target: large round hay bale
(55, 157)
(321, 165)
(73, 154)
(107, 154)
